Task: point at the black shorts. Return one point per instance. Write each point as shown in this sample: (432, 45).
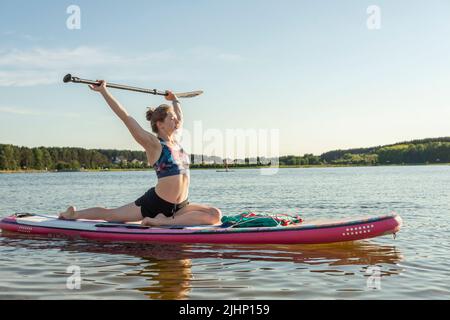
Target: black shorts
(151, 205)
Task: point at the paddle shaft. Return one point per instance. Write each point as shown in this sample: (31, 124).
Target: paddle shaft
(70, 78)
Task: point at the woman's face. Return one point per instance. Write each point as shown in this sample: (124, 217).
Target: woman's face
(171, 122)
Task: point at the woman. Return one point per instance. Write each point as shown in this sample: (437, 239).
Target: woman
(166, 203)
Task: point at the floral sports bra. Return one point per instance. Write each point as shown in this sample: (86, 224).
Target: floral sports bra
(173, 161)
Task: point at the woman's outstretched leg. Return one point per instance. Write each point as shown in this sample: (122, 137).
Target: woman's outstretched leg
(96, 213)
(126, 213)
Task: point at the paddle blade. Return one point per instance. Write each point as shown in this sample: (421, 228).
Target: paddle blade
(189, 94)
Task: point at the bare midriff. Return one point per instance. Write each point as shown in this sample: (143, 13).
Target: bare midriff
(173, 189)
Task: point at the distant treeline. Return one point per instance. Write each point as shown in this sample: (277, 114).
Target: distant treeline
(434, 150)
(42, 158)
(424, 151)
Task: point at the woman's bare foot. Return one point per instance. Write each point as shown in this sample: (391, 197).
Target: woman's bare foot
(149, 222)
(69, 214)
(154, 222)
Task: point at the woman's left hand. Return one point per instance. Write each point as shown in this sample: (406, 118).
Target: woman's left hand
(171, 96)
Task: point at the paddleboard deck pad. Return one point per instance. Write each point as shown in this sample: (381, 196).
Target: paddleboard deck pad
(313, 232)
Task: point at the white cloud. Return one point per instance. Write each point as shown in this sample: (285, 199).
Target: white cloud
(230, 57)
(69, 115)
(40, 66)
(29, 112)
(24, 36)
(213, 54)
(21, 78)
(20, 111)
(8, 33)
(43, 66)
(39, 58)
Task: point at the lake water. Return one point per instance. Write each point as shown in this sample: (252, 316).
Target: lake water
(415, 265)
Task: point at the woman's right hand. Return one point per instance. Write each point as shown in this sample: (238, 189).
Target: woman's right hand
(99, 88)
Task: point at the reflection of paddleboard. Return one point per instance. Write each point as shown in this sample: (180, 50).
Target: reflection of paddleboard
(335, 254)
(224, 170)
(324, 231)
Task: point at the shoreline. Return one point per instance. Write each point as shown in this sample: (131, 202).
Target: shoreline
(231, 169)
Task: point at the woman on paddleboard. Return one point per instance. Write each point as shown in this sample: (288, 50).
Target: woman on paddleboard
(166, 203)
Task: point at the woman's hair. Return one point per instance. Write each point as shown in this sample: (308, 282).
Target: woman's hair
(158, 114)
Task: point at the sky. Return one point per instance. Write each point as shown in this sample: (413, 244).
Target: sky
(304, 76)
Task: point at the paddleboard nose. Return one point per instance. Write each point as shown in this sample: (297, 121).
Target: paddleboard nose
(399, 221)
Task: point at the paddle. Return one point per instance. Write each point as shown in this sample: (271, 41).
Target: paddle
(70, 78)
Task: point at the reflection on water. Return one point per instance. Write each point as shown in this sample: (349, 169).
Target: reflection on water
(170, 279)
(172, 271)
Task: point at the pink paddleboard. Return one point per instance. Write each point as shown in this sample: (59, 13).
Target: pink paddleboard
(314, 232)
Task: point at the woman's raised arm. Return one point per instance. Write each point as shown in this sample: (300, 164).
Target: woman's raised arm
(143, 137)
(176, 105)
